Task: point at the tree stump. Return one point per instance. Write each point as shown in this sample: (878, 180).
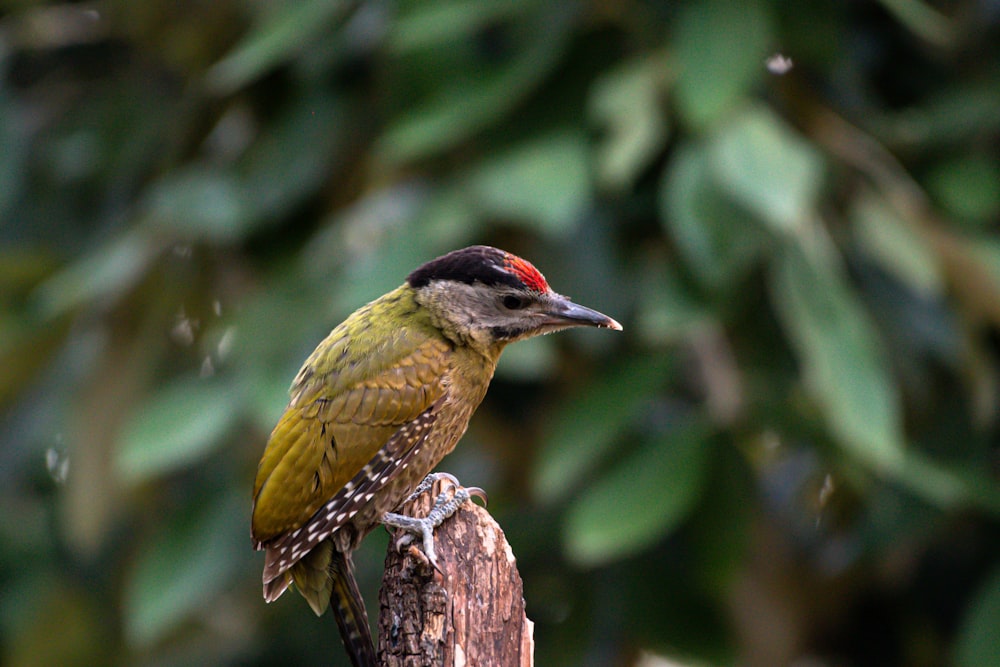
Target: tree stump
(469, 612)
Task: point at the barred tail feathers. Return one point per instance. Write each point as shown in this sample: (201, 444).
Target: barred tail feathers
(349, 610)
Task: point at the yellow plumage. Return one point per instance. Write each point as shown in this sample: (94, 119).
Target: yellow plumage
(353, 394)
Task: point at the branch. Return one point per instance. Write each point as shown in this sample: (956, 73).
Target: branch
(471, 612)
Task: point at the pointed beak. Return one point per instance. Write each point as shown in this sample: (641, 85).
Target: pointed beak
(564, 313)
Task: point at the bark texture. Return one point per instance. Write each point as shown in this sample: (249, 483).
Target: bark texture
(469, 613)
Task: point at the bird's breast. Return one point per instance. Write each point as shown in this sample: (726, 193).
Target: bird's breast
(465, 383)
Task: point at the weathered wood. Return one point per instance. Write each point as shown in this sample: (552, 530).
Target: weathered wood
(468, 612)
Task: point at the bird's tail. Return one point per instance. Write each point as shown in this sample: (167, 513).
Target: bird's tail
(349, 610)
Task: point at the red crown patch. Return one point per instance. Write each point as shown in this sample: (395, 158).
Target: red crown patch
(528, 274)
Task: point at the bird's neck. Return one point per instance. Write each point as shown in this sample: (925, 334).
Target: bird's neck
(455, 315)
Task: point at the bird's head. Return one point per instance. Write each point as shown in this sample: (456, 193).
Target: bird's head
(487, 297)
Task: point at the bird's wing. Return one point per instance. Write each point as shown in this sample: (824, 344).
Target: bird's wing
(345, 426)
(287, 549)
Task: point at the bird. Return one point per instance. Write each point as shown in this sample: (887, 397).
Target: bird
(373, 410)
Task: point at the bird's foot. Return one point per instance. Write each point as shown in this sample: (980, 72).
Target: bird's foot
(452, 483)
(452, 496)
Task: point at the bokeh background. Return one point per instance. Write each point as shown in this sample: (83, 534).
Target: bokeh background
(789, 457)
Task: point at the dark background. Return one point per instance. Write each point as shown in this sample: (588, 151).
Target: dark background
(790, 455)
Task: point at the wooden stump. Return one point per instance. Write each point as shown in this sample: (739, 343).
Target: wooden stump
(470, 613)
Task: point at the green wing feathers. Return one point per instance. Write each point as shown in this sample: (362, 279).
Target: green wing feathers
(344, 407)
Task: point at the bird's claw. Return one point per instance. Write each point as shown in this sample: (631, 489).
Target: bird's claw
(416, 554)
(476, 492)
(452, 496)
(404, 539)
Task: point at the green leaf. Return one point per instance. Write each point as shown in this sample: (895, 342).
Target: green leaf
(183, 569)
(626, 102)
(436, 24)
(178, 425)
(462, 107)
(838, 349)
(948, 485)
(978, 641)
(284, 33)
(896, 244)
(667, 310)
(721, 47)
(292, 158)
(968, 187)
(106, 272)
(718, 239)
(955, 115)
(545, 181)
(764, 165)
(640, 500)
(923, 20)
(585, 430)
(198, 202)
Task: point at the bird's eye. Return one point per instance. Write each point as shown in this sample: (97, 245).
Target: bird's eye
(514, 302)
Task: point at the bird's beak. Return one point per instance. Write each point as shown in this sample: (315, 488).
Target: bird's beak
(564, 313)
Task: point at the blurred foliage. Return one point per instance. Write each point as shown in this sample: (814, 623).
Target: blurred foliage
(789, 457)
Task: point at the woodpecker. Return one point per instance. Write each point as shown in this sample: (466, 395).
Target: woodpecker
(382, 399)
